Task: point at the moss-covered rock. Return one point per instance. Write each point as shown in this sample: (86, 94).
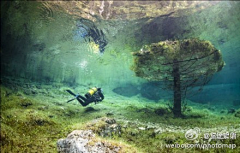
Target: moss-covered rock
(105, 127)
(86, 141)
(25, 103)
(162, 111)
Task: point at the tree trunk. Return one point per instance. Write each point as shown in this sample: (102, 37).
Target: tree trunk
(177, 90)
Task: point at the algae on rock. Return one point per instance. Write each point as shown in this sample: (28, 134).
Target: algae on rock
(181, 64)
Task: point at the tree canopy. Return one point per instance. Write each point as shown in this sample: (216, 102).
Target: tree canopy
(181, 64)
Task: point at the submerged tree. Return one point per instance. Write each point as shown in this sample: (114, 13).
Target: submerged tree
(181, 64)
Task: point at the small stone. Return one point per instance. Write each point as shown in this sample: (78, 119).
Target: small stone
(50, 116)
(25, 103)
(38, 86)
(134, 132)
(43, 108)
(142, 128)
(109, 114)
(34, 91)
(40, 122)
(19, 94)
(222, 111)
(161, 111)
(231, 111)
(27, 92)
(237, 114)
(110, 121)
(158, 131)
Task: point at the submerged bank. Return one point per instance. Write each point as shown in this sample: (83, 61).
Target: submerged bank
(35, 116)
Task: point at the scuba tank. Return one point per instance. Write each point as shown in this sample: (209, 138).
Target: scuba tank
(91, 92)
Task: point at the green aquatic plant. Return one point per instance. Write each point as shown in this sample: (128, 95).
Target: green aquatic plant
(181, 65)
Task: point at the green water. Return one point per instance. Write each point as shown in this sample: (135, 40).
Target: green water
(48, 47)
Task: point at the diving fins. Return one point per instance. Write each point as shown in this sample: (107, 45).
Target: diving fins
(71, 92)
(71, 100)
(76, 96)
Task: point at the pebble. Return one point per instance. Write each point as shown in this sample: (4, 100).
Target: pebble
(142, 128)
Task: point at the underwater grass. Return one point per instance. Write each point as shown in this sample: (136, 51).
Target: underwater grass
(34, 123)
(28, 128)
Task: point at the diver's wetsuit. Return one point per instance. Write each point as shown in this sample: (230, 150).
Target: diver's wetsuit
(84, 101)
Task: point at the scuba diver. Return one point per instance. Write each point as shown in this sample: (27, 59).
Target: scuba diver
(93, 95)
(89, 32)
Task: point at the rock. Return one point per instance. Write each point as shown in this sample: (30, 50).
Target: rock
(222, 111)
(50, 116)
(38, 86)
(170, 138)
(25, 103)
(142, 128)
(7, 93)
(161, 111)
(211, 108)
(237, 114)
(75, 142)
(134, 132)
(58, 103)
(27, 92)
(19, 94)
(34, 91)
(105, 127)
(188, 109)
(43, 91)
(150, 127)
(144, 110)
(40, 122)
(110, 120)
(231, 111)
(158, 131)
(43, 108)
(109, 114)
(80, 141)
